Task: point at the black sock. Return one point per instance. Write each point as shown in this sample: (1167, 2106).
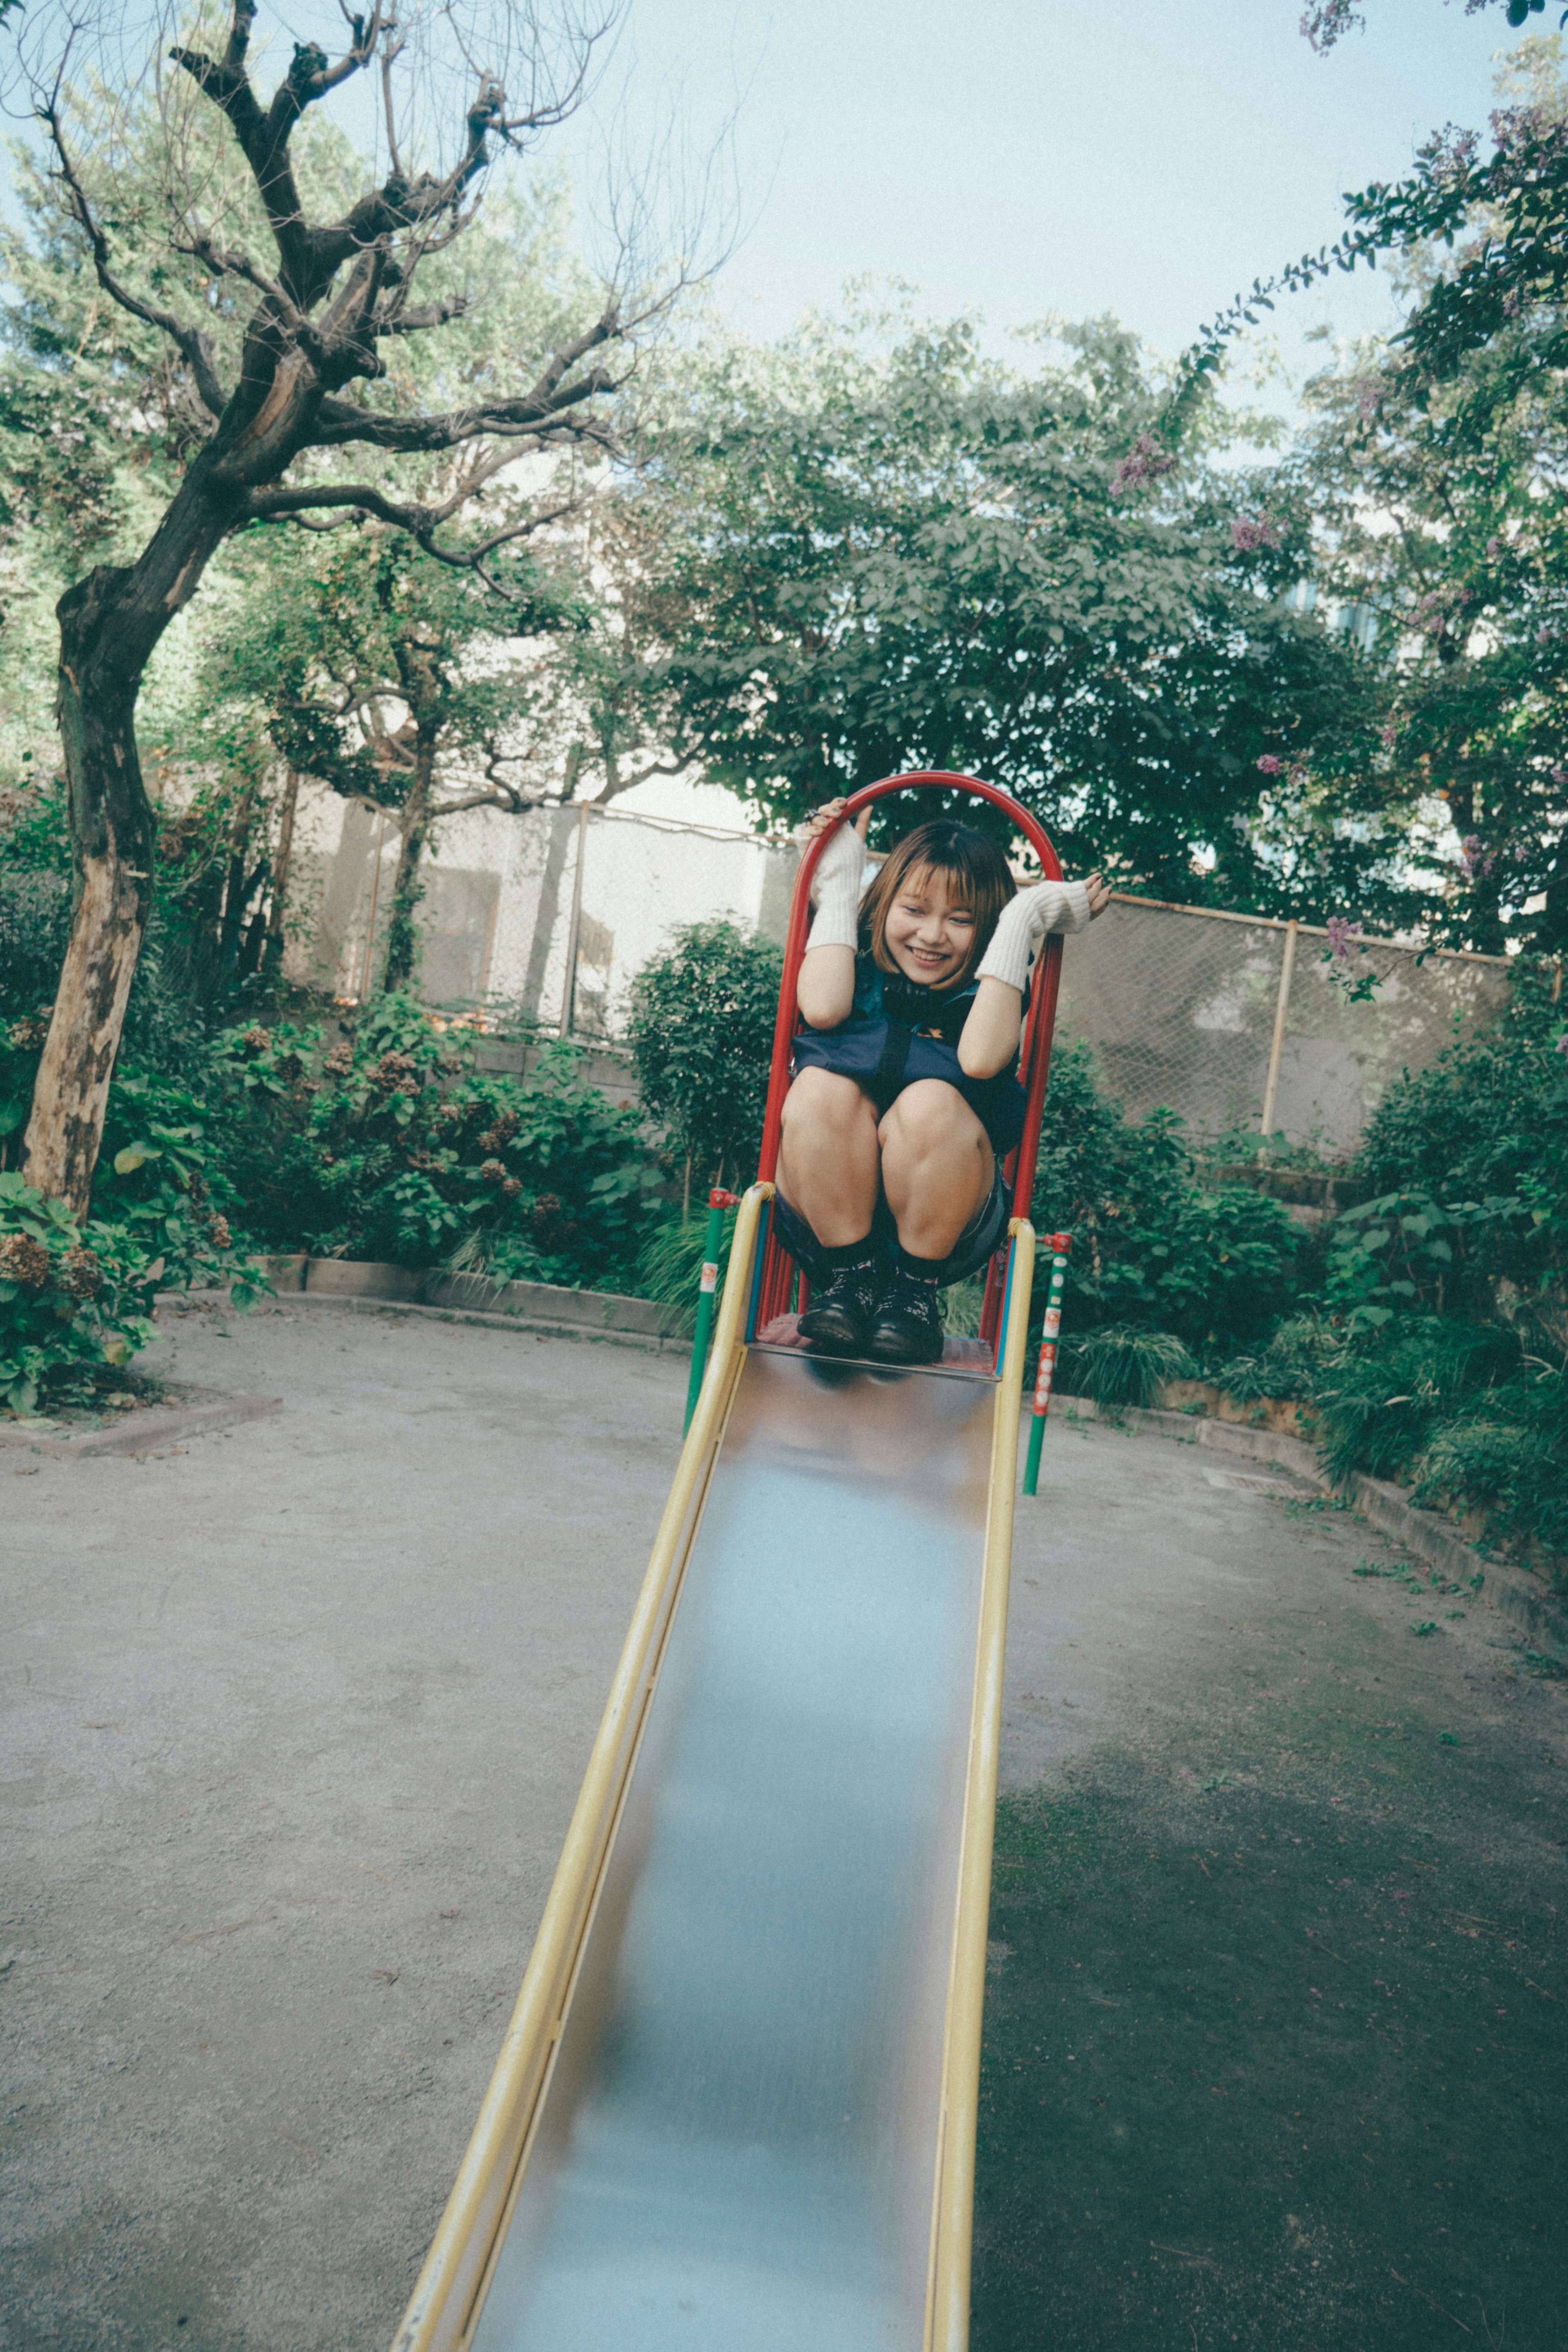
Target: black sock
(918, 1269)
(846, 1254)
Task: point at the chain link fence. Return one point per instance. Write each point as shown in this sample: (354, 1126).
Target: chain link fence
(545, 918)
(1236, 1021)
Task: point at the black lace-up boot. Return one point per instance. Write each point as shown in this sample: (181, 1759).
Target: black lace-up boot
(838, 1321)
(907, 1325)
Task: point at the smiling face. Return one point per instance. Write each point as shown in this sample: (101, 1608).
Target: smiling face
(930, 926)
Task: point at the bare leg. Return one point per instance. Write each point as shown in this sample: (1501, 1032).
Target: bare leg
(828, 1156)
(937, 1166)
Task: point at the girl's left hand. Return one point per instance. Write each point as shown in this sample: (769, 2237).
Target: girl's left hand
(1099, 891)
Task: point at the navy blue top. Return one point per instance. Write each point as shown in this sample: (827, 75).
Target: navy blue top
(897, 1031)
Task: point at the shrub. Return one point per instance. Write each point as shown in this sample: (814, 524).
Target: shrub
(394, 1147)
(1288, 1367)
(73, 1298)
(1383, 1392)
(158, 1179)
(701, 1034)
(1121, 1365)
(671, 1261)
(1213, 1264)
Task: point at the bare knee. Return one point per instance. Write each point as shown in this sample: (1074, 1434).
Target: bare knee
(930, 1116)
(826, 1102)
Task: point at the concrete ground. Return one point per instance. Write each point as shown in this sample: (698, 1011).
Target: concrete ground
(296, 1716)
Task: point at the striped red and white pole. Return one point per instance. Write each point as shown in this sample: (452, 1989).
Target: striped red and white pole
(1059, 1245)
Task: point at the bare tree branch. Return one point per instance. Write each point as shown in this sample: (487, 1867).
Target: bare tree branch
(191, 343)
(421, 522)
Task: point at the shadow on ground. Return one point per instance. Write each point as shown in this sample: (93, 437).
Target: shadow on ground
(1276, 2051)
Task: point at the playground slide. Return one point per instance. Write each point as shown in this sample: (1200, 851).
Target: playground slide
(735, 2111)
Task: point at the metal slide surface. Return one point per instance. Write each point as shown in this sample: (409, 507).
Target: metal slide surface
(738, 2148)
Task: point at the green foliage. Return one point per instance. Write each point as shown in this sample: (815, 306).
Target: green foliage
(701, 1034)
(1381, 1399)
(1288, 1367)
(161, 1182)
(394, 1147)
(1121, 1365)
(874, 548)
(670, 1260)
(74, 1299)
(1151, 1245)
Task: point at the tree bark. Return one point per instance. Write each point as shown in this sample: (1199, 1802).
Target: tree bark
(111, 624)
(112, 831)
(408, 889)
(272, 954)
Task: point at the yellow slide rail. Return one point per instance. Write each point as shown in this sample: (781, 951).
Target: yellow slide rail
(953, 2214)
(451, 2286)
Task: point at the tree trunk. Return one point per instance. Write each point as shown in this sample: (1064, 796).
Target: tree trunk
(408, 889)
(231, 925)
(109, 624)
(272, 953)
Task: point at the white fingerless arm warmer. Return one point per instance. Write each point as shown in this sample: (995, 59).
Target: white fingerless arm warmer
(1024, 922)
(836, 891)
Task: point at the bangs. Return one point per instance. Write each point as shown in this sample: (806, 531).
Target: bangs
(915, 881)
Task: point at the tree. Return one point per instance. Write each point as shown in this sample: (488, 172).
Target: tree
(702, 1040)
(1434, 492)
(401, 682)
(870, 551)
(282, 356)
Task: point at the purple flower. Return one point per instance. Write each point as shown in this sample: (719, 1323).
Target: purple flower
(1368, 398)
(1494, 549)
(1146, 463)
(1560, 775)
(1270, 764)
(1340, 936)
(1324, 22)
(1562, 1046)
(1388, 736)
(1449, 153)
(1255, 531)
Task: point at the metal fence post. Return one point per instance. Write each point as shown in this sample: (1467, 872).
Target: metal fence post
(1282, 1006)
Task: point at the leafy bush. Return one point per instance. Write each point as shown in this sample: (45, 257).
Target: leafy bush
(1508, 1462)
(1475, 1151)
(1152, 1246)
(670, 1264)
(1383, 1395)
(1121, 1365)
(394, 1147)
(1290, 1367)
(701, 1034)
(158, 1180)
(73, 1298)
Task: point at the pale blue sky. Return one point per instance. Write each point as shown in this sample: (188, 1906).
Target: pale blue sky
(1142, 156)
(1016, 157)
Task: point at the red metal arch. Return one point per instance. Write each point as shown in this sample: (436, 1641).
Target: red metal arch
(777, 1265)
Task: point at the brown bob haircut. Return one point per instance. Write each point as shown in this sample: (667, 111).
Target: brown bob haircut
(977, 876)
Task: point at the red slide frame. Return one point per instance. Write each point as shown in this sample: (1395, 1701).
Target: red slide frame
(777, 1267)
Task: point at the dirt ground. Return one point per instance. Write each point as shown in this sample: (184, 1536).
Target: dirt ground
(295, 1718)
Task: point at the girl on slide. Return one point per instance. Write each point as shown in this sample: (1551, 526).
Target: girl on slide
(906, 1099)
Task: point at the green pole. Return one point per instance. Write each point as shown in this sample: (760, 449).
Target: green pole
(718, 1202)
(1059, 1244)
